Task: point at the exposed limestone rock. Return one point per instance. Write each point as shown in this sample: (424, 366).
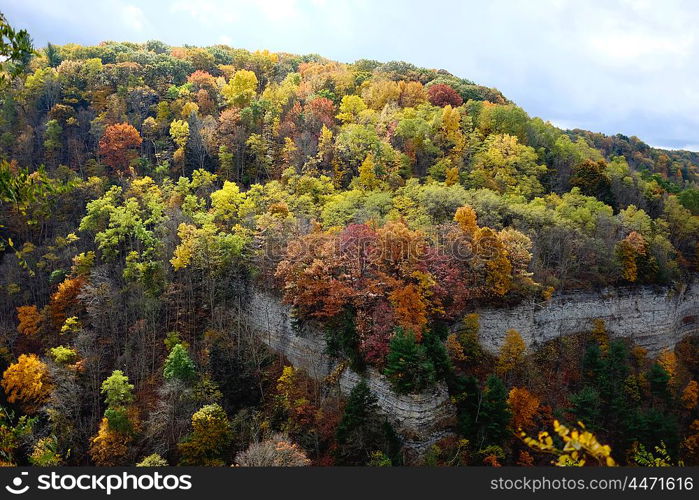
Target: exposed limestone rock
(654, 318)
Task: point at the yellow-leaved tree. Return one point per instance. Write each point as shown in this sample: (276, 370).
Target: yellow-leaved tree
(511, 352)
(27, 382)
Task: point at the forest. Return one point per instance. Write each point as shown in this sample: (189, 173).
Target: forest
(146, 189)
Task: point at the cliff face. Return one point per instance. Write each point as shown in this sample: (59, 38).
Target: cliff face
(654, 319)
(421, 419)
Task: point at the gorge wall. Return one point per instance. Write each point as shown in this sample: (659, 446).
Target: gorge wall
(653, 318)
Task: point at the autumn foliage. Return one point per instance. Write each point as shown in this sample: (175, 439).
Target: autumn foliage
(441, 94)
(29, 320)
(395, 275)
(64, 300)
(119, 146)
(524, 406)
(27, 382)
(109, 447)
(149, 193)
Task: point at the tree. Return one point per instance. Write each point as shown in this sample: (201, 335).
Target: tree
(240, 89)
(465, 217)
(275, 451)
(407, 365)
(367, 174)
(119, 146)
(689, 198)
(587, 406)
(109, 447)
(350, 108)
(45, 453)
(580, 446)
(53, 142)
(629, 251)
(179, 131)
(441, 94)
(495, 415)
(659, 381)
(690, 395)
(63, 355)
(498, 268)
(27, 382)
(53, 56)
(178, 365)
(360, 432)
(360, 404)
(524, 406)
(64, 301)
(512, 352)
(153, 460)
(506, 166)
(410, 309)
(15, 51)
(29, 320)
(210, 438)
(592, 179)
(117, 390)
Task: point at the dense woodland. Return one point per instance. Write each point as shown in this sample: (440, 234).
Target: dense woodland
(145, 189)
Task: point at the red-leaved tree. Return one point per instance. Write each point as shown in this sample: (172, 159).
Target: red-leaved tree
(441, 94)
(119, 146)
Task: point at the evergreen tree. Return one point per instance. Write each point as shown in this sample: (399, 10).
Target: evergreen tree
(659, 381)
(652, 427)
(437, 353)
(408, 365)
(587, 406)
(360, 404)
(361, 432)
(495, 414)
(53, 56)
(467, 404)
(592, 365)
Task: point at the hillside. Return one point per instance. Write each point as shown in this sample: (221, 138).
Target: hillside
(145, 190)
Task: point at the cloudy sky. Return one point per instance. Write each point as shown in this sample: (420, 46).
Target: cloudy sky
(628, 66)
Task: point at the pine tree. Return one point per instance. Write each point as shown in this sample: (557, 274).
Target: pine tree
(659, 381)
(360, 404)
(407, 364)
(53, 56)
(495, 414)
(437, 353)
(361, 433)
(586, 406)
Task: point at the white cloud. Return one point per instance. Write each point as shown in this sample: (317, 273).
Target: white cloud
(133, 17)
(278, 10)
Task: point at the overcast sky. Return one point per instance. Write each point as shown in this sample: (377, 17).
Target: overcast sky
(628, 66)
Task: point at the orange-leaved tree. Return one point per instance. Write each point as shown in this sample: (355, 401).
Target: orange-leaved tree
(29, 320)
(27, 382)
(119, 146)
